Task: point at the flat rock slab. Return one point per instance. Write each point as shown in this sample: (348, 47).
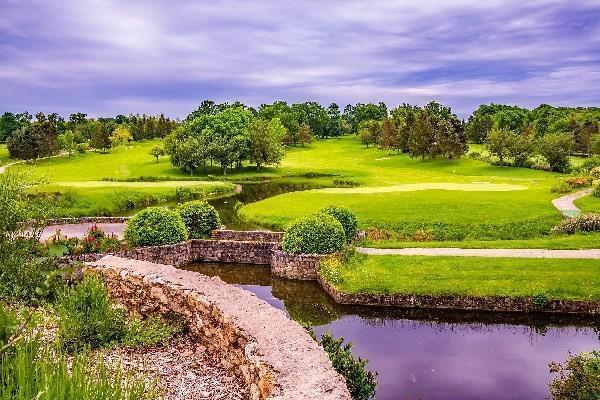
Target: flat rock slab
(508, 253)
(79, 230)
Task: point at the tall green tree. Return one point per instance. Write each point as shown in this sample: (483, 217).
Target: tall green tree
(265, 142)
(421, 136)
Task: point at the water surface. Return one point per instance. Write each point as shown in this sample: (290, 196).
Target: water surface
(430, 355)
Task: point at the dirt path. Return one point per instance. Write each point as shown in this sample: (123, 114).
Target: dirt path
(457, 252)
(565, 204)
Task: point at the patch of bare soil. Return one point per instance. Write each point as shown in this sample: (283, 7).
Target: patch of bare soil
(182, 370)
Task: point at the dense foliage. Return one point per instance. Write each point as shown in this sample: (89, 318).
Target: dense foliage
(589, 222)
(315, 234)
(24, 266)
(155, 226)
(345, 217)
(200, 218)
(361, 382)
(578, 378)
(88, 317)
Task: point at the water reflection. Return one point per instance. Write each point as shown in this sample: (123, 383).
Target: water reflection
(423, 354)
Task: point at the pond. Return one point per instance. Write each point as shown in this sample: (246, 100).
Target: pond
(430, 355)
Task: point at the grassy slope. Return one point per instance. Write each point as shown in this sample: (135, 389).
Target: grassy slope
(510, 277)
(578, 241)
(394, 210)
(76, 188)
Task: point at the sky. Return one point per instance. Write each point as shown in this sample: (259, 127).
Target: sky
(111, 57)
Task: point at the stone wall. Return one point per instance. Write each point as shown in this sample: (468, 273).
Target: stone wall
(247, 236)
(272, 354)
(295, 266)
(195, 250)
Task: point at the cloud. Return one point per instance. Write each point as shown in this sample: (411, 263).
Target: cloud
(115, 57)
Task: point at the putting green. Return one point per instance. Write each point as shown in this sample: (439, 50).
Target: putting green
(412, 187)
(162, 184)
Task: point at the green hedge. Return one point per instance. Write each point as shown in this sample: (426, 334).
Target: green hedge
(316, 234)
(200, 218)
(155, 226)
(345, 217)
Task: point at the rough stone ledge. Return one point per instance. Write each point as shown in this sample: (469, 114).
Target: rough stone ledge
(247, 236)
(295, 266)
(500, 304)
(276, 358)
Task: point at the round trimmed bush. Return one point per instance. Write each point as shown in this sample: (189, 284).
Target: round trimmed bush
(345, 217)
(155, 226)
(316, 234)
(200, 218)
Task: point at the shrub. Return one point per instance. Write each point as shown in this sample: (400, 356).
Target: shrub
(316, 234)
(88, 317)
(577, 182)
(200, 218)
(345, 217)
(595, 173)
(560, 187)
(578, 378)
(155, 226)
(110, 244)
(361, 382)
(597, 190)
(589, 222)
(590, 163)
(555, 148)
(475, 155)
(345, 182)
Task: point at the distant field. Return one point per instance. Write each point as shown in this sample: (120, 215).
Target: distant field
(566, 279)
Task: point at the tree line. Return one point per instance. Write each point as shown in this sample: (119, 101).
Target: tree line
(29, 138)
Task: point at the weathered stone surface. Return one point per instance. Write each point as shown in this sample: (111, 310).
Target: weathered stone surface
(276, 358)
(247, 236)
(295, 266)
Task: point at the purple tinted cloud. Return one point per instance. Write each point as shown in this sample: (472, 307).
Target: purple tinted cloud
(108, 56)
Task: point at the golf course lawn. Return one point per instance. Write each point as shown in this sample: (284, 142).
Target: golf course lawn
(567, 279)
(452, 199)
(589, 203)
(566, 242)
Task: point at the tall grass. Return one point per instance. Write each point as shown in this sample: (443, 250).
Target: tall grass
(34, 371)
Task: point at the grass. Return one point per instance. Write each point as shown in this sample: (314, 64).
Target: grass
(110, 199)
(3, 153)
(567, 279)
(572, 242)
(501, 203)
(589, 204)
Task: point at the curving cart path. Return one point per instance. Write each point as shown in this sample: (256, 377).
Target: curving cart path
(565, 204)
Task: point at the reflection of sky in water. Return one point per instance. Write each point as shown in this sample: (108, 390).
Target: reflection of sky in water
(438, 360)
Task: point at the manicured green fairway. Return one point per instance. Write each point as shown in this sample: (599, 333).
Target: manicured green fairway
(588, 204)
(571, 242)
(454, 199)
(470, 276)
